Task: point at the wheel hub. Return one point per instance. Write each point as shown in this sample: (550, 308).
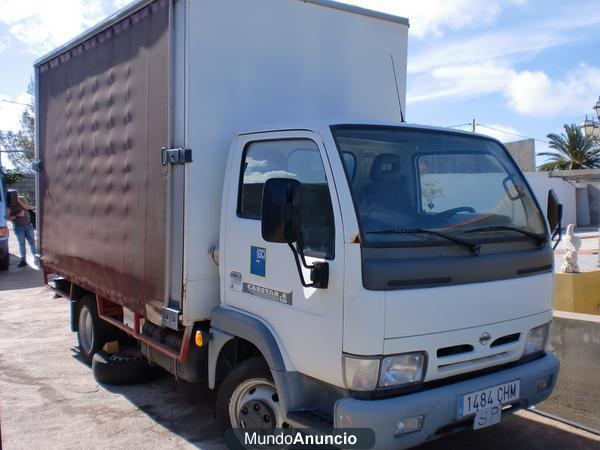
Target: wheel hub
(257, 414)
(86, 330)
(255, 404)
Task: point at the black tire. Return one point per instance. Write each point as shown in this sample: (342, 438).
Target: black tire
(4, 263)
(122, 368)
(249, 369)
(101, 331)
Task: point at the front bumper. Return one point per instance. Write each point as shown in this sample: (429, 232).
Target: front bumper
(438, 406)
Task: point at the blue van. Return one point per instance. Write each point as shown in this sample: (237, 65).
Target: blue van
(3, 228)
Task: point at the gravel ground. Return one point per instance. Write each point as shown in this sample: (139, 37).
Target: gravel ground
(49, 399)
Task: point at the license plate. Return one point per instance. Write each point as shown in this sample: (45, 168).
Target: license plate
(484, 399)
(487, 417)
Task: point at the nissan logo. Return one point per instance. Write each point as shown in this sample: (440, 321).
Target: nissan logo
(484, 338)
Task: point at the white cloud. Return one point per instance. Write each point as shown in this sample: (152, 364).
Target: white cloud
(10, 113)
(470, 80)
(529, 93)
(10, 117)
(255, 163)
(503, 133)
(435, 17)
(258, 177)
(514, 44)
(486, 63)
(121, 3)
(42, 25)
(480, 65)
(536, 94)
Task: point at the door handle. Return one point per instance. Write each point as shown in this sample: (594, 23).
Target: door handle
(235, 281)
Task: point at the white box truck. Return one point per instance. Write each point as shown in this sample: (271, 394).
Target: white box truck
(232, 184)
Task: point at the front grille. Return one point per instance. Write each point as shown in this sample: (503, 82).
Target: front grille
(508, 339)
(473, 356)
(454, 350)
(442, 368)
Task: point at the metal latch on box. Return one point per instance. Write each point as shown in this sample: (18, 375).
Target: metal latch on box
(176, 156)
(170, 318)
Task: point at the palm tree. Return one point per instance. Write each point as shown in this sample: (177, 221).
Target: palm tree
(573, 151)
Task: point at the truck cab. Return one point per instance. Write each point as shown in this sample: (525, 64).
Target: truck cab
(424, 272)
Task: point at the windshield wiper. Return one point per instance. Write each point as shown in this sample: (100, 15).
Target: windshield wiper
(539, 238)
(474, 248)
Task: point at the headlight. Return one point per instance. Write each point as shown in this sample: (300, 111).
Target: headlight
(401, 369)
(536, 339)
(361, 374)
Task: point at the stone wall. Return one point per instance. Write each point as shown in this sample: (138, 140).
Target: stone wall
(523, 152)
(587, 182)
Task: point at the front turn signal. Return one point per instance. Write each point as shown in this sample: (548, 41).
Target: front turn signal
(199, 339)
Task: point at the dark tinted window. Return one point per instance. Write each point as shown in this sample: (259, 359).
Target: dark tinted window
(298, 159)
(410, 179)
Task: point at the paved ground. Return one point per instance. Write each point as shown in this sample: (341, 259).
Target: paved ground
(49, 399)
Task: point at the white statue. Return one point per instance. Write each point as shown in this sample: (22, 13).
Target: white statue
(572, 244)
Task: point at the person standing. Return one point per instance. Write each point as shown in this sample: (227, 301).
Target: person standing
(18, 212)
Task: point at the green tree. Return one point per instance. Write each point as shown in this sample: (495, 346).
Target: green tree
(21, 141)
(11, 177)
(573, 151)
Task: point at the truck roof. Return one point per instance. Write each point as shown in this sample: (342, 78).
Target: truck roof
(136, 5)
(321, 125)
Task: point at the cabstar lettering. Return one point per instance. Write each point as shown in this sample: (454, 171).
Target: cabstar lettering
(268, 293)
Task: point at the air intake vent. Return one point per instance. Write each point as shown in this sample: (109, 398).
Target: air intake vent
(454, 350)
(508, 339)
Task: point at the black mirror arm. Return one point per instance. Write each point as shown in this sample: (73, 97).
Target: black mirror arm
(300, 249)
(558, 231)
(299, 267)
(319, 271)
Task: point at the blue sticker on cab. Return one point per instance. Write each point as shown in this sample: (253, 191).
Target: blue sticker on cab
(258, 261)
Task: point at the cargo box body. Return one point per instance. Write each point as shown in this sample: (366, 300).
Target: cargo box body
(102, 120)
(188, 74)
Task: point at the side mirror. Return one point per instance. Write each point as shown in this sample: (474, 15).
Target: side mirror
(280, 210)
(280, 223)
(554, 215)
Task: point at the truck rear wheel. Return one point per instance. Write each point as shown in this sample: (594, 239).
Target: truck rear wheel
(4, 262)
(126, 367)
(92, 332)
(248, 398)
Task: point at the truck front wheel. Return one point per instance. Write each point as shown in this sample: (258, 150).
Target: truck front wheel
(92, 332)
(248, 398)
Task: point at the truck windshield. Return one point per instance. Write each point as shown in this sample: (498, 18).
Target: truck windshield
(413, 186)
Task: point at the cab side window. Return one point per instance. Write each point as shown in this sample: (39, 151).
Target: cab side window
(298, 159)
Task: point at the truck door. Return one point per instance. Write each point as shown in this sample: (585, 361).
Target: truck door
(261, 278)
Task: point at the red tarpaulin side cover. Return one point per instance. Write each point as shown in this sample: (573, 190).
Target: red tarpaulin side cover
(102, 123)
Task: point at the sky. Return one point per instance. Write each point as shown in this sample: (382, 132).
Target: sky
(525, 67)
